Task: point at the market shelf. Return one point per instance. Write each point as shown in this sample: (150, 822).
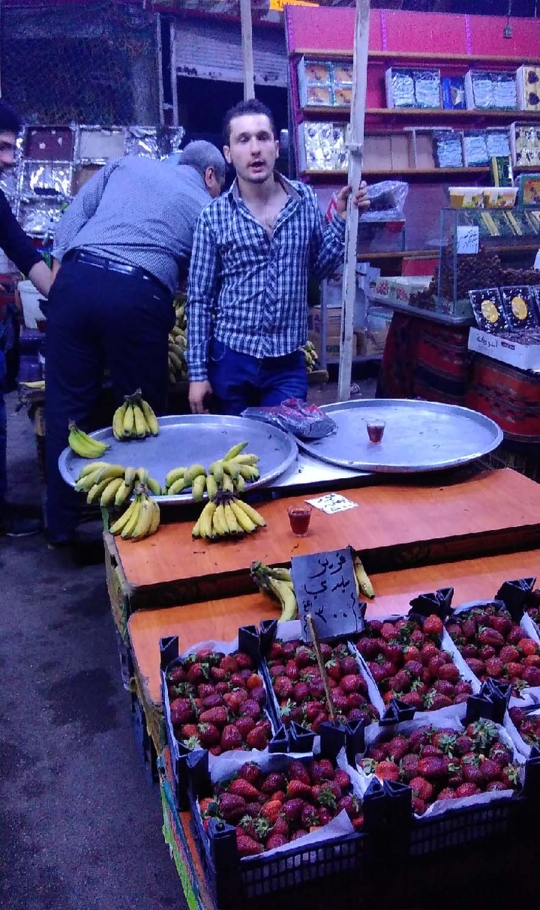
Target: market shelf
(402, 172)
(429, 113)
(329, 54)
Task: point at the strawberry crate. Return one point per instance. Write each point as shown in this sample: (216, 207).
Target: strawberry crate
(524, 727)
(499, 788)
(213, 698)
(240, 870)
(298, 699)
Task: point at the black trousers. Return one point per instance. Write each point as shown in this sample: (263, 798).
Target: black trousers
(98, 318)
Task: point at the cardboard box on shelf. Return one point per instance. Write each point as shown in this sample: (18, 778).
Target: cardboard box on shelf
(333, 345)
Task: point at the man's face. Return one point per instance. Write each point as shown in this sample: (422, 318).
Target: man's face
(252, 148)
(7, 150)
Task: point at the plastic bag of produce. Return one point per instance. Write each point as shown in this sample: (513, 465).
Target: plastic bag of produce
(297, 417)
(387, 200)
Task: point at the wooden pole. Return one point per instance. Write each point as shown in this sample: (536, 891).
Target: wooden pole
(356, 143)
(247, 49)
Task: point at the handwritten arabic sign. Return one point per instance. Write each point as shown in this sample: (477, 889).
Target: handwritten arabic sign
(467, 240)
(332, 502)
(325, 587)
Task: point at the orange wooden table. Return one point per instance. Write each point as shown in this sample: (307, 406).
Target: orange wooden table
(472, 579)
(395, 525)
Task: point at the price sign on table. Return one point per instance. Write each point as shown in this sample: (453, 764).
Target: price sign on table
(325, 587)
(467, 240)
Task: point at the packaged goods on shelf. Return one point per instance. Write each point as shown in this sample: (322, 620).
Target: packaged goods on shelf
(387, 200)
(529, 189)
(448, 148)
(488, 309)
(486, 90)
(322, 146)
(525, 144)
(502, 197)
(324, 83)
(413, 88)
(519, 304)
(466, 197)
(498, 143)
(501, 170)
(371, 341)
(528, 87)
(453, 93)
(475, 149)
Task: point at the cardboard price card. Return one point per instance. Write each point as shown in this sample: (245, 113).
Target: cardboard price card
(325, 587)
(332, 502)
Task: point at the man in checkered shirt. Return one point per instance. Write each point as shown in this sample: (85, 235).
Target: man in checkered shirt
(253, 251)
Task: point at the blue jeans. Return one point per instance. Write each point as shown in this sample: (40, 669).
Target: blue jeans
(240, 381)
(3, 433)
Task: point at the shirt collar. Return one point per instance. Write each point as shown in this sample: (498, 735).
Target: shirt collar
(234, 192)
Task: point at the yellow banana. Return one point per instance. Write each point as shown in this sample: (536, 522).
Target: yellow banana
(84, 445)
(364, 582)
(232, 469)
(174, 475)
(196, 528)
(130, 475)
(175, 360)
(130, 526)
(227, 484)
(234, 451)
(195, 470)
(142, 474)
(156, 517)
(205, 520)
(124, 492)
(219, 521)
(252, 513)
(113, 470)
(248, 459)
(141, 427)
(198, 487)
(153, 486)
(86, 483)
(211, 486)
(144, 523)
(118, 421)
(240, 484)
(96, 491)
(121, 522)
(90, 468)
(128, 425)
(150, 417)
(35, 384)
(286, 597)
(216, 468)
(177, 486)
(243, 520)
(279, 573)
(230, 518)
(110, 491)
(249, 472)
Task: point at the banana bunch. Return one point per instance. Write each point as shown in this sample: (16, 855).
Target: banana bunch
(227, 516)
(278, 584)
(227, 475)
(178, 344)
(37, 384)
(134, 419)
(112, 484)
(84, 445)
(141, 518)
(312, 358)
(363, 582)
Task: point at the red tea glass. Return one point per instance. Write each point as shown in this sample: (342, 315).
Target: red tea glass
(299, 518)
(375, 430)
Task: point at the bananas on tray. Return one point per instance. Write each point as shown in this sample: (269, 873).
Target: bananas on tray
(178, 344)
(112, 484)
(84, 445)
(227, 475)
(312, 360)
(141, 518)
(134, 419)
(227, 516)
(278, 584)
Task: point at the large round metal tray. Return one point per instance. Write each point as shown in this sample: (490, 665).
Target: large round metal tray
(192, 439)
(419, 436)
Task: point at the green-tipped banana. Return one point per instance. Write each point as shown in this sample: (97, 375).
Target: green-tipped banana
(110, 491)
(177, 486)
(232, 469)
(123, 493)
(150, 417)
(195, 470)
(234, 451)
(249, 472)
(252, 513)
(153, 486)
(124, 519)
(211, 487)
(90, 468)
(198, 487)
(130, 476)
(143, 475)
(247, 458)
(118, 421)
(95, 493)
(141, 427)
(216, 468)
(174, 475)
(83, 445)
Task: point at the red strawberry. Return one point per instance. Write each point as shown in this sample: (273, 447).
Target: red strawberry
(414, 699)
(298, 834)
(316, 687)
(401, 682)
(251, 772)
(247, 846)
(257, 738)
(292, 809)
(189, 730)
(449, 672)
(231, 807)
(281, 826)
(196, 673)
(277, 670)
(397, 748)
(245, 725)
(445, 687)
(242, 787)
(532, 660)
(304, 657)
(271, 810)
(348, 665)
(251, 708)
(409, 766)
(388, 631)
(490, 769)
(298, 771)
(218, 674)
(231, 738)
(291, 671)
(491, 637)
(446, 793)
(412, 653)
(433, 625)
(333, 670)
(500, 753)
(325, 815)
(351, 683)
(417, 638)
(510, 776)
(309, 817)
(421, 788)
(212, 701)
(472, 774)
(244, 661)
(206, 689)
(468, 627)
(350, 805)
(216, 716)
(478, 667)
(229, 664)
(418, 805)
(387, 770)
(182, 711)
(298, 789)
(276, 650)
(428, 651)
(432, 767)
(531, 675)
(342, 778)
(283, 687)
(515, 670)
(300, 692)
(440, 701)
(356, 700)
(273, 782)
(393, 653)
(509, 654)
(276, 840)
(208, 734)
(177, 675)
(327, 769)
(514, 636)
(429, 750)
(501, 623)
(495, 785)
(467, 789)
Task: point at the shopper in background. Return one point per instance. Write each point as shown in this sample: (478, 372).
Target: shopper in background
(119, 250)
(20, 249)
(252, 254)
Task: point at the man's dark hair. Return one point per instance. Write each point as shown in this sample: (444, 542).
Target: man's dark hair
(10, 121)
(242, 109)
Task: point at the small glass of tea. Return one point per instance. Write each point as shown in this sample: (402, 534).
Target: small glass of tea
(299, 518)
(375, 430)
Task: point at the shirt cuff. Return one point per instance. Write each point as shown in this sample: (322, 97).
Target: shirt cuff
(197, 373)
(338, 225)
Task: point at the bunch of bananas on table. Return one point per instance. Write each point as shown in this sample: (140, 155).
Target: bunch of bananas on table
(178, 344)
(112, 484)
(141, 518)
(227, 516)
(134, 419)
(228, 475)
(312, 358)
(277, 583)
(83, 445)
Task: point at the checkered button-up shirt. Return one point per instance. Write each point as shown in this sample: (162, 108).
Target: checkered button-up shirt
(248, 289)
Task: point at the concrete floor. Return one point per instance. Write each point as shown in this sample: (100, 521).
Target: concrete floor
(79, 825)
